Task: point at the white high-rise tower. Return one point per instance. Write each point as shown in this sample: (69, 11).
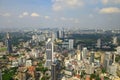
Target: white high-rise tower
(49, 53)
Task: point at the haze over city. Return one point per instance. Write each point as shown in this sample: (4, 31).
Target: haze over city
(59, 39)
(83, 14)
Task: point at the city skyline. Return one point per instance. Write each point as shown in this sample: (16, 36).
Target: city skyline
(83, 14)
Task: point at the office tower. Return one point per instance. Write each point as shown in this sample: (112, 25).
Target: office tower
(0, 75)
(53, 72)
(53, 37)
(92, 57)
(112, 69)
(118, 50)
(107, 60)
(9, 44)
(79, 47)
(71, 43)
(106, 64)
(89, 69)
(115, 40)
(59, 34)
(84, 53)
(99, 43)
(78, 56)
(49, 53)
(63, 34)
(113, 57)
(102, 59)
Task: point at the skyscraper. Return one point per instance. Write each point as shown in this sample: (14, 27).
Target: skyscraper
(92, 57)
(59, 34)
(107, 60)
(84, 53)
(49, 53)
(115, 41)
(53, 72)
(99, 43)
(9, 44)
(0, 75)
(71, 43)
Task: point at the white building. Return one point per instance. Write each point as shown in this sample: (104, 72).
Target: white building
(112, 70)
(15, 64)
(60, 34)
(49, 53)
(68, 44)
(78, 55)
(118, 50)
(99, 43)
(115, 41)
(35, 53)
(107, 60)
(84, 53)
(89, 69)
(71, 43)
(28, 63)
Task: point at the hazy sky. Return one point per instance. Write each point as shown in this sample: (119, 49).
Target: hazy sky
(85, 14)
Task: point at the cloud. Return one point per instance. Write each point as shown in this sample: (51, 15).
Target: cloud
(76, 21)
(63, 18)
(57, 7)
(91, 15)
(35, 15)
(111, 1)
(47, 17)
(20, 16)
(109, 10)
(25, 14)
(28, 14)
(66, 4)
(5, 14)
(71, 20)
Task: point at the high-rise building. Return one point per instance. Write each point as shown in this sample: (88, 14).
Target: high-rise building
(89, 69)
(99, 43)
(78, 55)
(49, 53)
(107, 60)
(92, 57)
(53, 72)
(0, 75)
(59, 34)
(71, 43)
(9, 43)
(115, 41)
(113, 57)
(112, 69)
(84, 53)
(118, 50)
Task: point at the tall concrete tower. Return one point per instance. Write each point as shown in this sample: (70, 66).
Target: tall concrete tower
(9, 43)
(53, 72)
(99, 43)
(0, 75)
(84, 53)
(115, 41)
(92, 57)
(49, 53)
